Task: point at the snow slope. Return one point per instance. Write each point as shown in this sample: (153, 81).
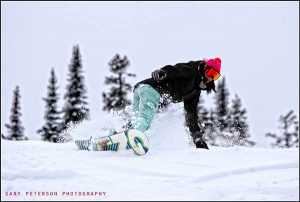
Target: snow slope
(171, 170)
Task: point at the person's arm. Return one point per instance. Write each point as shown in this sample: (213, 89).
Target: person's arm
(182, 70)
(191, 115)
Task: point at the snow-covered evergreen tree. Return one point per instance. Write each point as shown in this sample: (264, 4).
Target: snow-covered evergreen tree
(117, 97)
(15, 128)
(222, 106)
(50, 130)
(75, 108)
(221, 129)
(239, 125)
(289, 136)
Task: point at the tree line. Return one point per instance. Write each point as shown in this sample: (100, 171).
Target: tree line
(74, 110)
(223, 125)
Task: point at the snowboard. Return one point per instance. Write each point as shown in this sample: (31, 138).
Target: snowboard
(125, 140)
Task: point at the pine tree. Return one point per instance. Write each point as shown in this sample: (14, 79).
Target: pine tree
(289, 127)
(117, 97)
(15, 128)
(222, 106)
(75, 109)
(50, 130)
(239, 126)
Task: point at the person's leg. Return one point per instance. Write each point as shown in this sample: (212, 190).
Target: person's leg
(135, 109)
(147, 107)
(136, 101)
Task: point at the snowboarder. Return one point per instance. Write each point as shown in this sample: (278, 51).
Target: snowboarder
(182, 82)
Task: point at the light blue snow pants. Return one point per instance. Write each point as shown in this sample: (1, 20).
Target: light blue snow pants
(145, 105)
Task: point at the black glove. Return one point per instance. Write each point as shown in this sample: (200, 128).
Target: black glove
(198, 140)
(159, 75)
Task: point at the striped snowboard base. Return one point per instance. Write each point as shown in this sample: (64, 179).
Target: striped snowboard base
(89, 145)
(131, 139)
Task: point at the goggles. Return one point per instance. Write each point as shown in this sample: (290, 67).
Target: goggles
(211, 72)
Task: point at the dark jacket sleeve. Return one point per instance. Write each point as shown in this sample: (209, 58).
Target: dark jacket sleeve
(191, 114)
(182, 70)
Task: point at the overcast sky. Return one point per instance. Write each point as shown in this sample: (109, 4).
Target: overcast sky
(258, 43)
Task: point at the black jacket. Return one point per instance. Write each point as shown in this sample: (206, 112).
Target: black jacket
(182, 85)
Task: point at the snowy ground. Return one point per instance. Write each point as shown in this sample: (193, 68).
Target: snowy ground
(190, 174)
(171, 170)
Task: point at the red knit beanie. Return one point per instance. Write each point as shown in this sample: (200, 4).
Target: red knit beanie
(216, 63)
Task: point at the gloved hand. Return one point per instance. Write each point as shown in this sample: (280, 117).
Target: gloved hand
(159, 75)
(201, 144)
(198, 140)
